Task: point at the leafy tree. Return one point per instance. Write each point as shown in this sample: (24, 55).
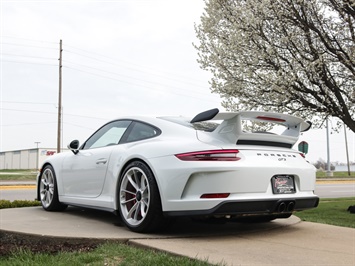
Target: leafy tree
(292, 56)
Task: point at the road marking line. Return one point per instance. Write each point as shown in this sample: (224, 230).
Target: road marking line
(17, 187)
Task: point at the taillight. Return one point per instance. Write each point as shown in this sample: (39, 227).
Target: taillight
(215, 196)
(214, 155)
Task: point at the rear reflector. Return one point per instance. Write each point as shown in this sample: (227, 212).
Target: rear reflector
(215, 155)
(267, 118)
(215, 196)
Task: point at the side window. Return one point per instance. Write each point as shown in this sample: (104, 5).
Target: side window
(142, 131)
(109, 134)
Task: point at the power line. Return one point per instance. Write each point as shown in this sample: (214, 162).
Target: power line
(125, 63)
(27, 111)
(143, 86)
(103, 59)
(42, 112)
(134, 78)
(142, 71)
(76, 125)
(109, 61)
(24, 62)
(25, 102)
(28, 124)
(26, 39)
(27, 56)
(26, 45)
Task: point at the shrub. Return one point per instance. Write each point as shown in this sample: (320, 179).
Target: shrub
(4, 204)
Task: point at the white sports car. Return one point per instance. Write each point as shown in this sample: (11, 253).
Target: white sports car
(150, 169)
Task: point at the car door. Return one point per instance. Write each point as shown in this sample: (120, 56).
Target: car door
(84, 173)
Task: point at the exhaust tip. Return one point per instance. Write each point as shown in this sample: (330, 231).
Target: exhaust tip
(282, 207)
(291, 206)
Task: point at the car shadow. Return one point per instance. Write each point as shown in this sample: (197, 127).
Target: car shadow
(185, 226)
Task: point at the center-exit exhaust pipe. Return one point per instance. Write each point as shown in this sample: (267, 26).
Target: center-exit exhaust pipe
(286, 206)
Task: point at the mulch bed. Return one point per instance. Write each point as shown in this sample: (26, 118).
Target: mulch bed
(11, 242)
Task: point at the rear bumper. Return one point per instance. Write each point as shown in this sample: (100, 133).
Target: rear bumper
(253, 207)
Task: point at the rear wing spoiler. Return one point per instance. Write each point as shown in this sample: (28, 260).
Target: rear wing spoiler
(231, 127)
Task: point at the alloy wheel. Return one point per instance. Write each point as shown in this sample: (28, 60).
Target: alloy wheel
(47, 187)
(134, 196)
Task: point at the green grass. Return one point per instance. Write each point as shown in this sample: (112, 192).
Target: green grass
(18, 175)
(321, 174)
(331, 211)
(106, 254)
(16, 170)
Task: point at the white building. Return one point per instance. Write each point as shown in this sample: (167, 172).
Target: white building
(25, 159)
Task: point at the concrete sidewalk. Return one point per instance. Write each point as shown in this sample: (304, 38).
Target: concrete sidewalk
(281, 242)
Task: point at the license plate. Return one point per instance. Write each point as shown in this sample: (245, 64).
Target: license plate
(283, 184)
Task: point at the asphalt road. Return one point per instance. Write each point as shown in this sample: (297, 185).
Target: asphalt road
(17, 194)
(334, 190)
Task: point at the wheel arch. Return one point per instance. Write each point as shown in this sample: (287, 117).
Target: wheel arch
(123, 168)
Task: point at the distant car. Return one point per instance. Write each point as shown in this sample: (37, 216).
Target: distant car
(151, 169)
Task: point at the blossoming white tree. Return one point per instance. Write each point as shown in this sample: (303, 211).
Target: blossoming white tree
(294, 56)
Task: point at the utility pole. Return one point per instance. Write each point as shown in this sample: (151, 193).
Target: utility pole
(329, 173)
(347, 151)
(59, 99)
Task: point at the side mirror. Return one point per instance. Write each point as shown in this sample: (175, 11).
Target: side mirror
(74, 146)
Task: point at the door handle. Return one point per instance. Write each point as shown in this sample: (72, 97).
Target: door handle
(103, 161)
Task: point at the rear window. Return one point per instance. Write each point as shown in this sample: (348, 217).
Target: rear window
(140, 131)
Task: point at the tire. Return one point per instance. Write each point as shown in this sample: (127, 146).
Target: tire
(139, 199)
(48, 190)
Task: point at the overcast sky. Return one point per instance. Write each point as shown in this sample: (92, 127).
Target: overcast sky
(119, 58)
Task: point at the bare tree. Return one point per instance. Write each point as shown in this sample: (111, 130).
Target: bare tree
(293, 56)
